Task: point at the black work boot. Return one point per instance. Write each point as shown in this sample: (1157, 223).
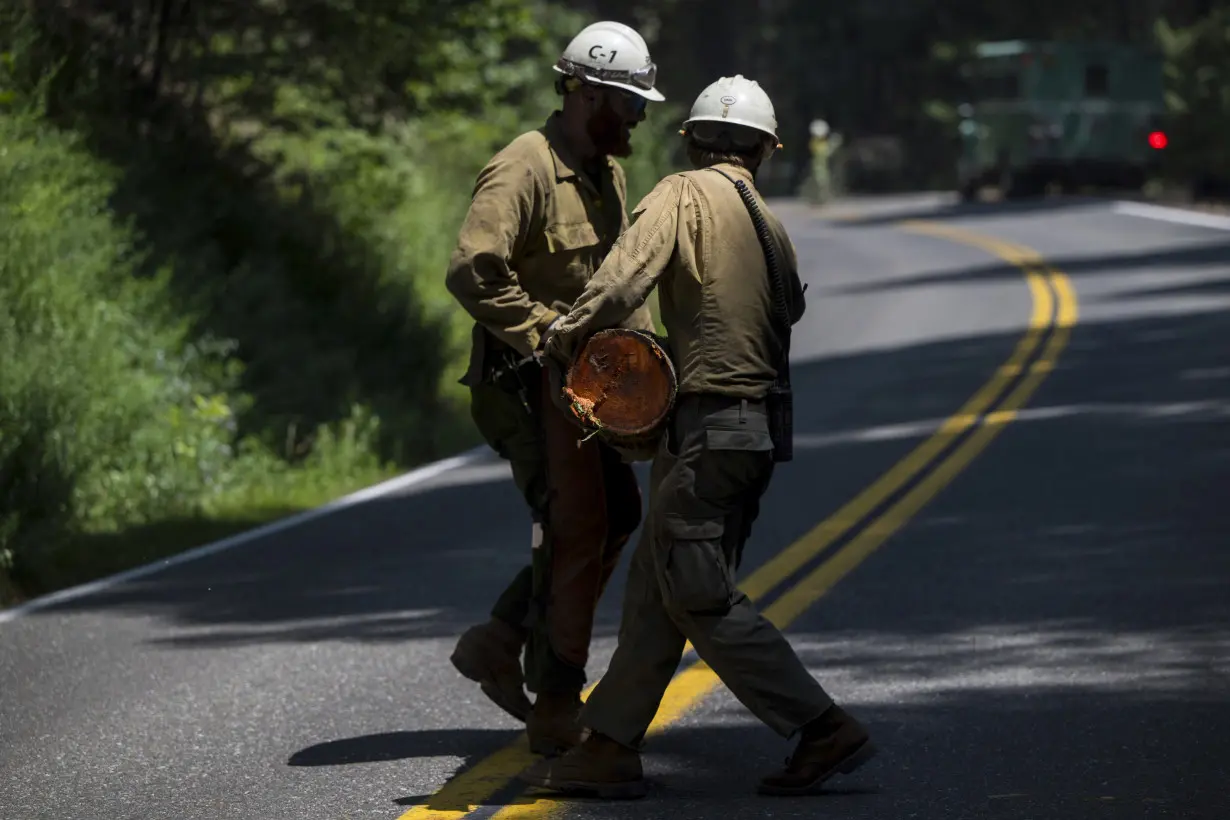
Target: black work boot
(554, 724)
(834, 743)
(599, 767)
(490, 655)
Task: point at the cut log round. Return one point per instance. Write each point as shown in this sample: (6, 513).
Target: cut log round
(622, 384)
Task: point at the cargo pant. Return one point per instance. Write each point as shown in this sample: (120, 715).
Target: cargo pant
(708, 478)
(585, 504)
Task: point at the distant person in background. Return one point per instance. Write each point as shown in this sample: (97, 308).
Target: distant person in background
(545, 212)
(728, 315)
(823, 143)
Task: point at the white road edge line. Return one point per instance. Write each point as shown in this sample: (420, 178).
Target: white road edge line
(1166, 214)
(401, 482)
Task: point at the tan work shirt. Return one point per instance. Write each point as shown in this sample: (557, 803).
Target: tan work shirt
(537, 228)
(693, 238)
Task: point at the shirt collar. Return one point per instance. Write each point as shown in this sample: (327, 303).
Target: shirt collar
(737, 171)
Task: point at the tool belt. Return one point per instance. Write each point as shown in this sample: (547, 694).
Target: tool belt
(504, 369)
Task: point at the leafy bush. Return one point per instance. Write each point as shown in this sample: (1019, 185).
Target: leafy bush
(109, 414)
(1198, 96)
(227, 302)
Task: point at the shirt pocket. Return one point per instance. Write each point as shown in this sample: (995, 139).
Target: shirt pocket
(737, 460)
(729, 430)
(744, 440)
(565, 237)
(573, 250)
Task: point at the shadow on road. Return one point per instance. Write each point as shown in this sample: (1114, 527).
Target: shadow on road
(408, 745)
(986, 747)
(1142, 402)
(1214, 288)
(945, 207)
(1207, 255)
(424, 564)
(1050, 637)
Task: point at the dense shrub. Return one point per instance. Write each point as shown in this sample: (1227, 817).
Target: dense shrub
(1198, 97)
(229, 312)
(109, 414)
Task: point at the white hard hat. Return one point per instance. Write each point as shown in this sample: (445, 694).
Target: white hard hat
(819, 129)
(611, 53)
(734, 101)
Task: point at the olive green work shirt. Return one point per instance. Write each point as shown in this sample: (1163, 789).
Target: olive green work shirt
(693, 238)
(537, 228)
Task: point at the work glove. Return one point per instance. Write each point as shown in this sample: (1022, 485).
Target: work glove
(556, 363)
(561, 345)
(540, 352)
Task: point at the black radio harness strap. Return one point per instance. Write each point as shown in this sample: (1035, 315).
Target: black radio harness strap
(781, 398)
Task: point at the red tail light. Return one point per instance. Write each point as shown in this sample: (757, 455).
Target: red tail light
(1157, 140)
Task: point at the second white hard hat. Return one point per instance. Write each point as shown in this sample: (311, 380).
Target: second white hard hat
(611, 53)
(735, 101)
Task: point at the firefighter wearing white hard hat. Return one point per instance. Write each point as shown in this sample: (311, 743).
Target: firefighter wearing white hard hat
(733, 112)
(614, 55)
(726, 302)
(546, 210)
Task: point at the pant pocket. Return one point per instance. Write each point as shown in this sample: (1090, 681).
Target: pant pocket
(695, 575)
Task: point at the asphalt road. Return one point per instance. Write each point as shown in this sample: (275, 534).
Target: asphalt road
(1048, 637)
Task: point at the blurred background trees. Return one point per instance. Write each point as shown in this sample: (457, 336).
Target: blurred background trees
(884, 72)
(224, 225)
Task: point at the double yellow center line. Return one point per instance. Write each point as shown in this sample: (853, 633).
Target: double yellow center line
(900, 493)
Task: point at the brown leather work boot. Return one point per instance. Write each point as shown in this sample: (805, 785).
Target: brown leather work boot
(490, 655)
(554, 723)
(834, 743)
(599, 767)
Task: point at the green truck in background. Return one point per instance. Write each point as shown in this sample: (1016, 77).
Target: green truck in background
(1073, 114)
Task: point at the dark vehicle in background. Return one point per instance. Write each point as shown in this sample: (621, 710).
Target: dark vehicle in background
(1073, 114)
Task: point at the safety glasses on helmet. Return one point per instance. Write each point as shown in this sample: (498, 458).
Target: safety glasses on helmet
(643, 77)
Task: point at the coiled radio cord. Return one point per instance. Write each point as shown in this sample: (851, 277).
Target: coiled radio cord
(780, 400)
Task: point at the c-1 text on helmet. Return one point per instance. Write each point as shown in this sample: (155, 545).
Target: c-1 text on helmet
(612, 54)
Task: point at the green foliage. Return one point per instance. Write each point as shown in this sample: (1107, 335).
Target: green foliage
(97, 393)
(1198, 94)
(224, 233)
(224, 225)
(888, 70)
(113, 415)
